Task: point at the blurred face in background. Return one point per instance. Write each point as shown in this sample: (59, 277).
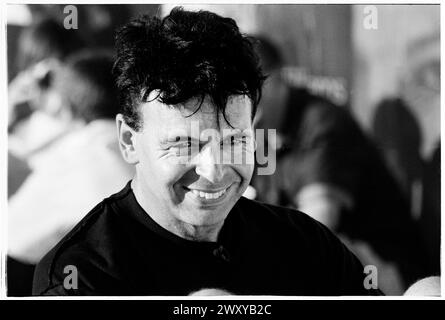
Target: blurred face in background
(273, 101)
(420, 88)
(189, 186)
(34, 87)
(49, 99)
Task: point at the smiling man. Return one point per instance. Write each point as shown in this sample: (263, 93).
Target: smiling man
(182, 180)
(190, 84)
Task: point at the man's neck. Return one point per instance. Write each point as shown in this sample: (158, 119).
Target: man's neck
(159, 214)
(196, 233)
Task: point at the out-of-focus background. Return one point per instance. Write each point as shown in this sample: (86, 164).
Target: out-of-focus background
(353, 91)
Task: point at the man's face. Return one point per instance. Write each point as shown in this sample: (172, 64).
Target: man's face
(180, 167)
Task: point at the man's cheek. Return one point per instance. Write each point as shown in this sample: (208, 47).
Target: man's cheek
(248, 175)
(245, 172)
(171, 171)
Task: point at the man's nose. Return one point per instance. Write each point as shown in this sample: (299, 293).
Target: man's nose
(208, 165)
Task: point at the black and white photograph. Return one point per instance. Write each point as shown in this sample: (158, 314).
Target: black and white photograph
(222, 150)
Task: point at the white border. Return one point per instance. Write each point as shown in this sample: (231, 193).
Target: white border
(3, 156)
(3, 148)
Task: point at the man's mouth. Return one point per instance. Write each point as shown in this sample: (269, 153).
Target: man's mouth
(209, 195)
(213, 196)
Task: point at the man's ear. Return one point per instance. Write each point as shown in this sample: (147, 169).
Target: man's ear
(126, 136)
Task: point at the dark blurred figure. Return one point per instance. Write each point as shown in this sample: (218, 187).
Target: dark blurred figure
(96, 22)
(328, 168)
(430, 214)
(398, 135)
(82, 167)
(46, 38)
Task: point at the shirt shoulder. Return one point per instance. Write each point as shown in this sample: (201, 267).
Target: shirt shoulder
(273, 216)
(337, 269)
(82, 249)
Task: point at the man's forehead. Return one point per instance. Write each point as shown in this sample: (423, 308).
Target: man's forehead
(238, 113)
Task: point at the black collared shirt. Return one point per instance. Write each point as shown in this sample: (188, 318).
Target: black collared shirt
(117, 249)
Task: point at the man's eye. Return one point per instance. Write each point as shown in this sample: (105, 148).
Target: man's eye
(185, 144)
(182, 148)
(236, 141)
(229, 142)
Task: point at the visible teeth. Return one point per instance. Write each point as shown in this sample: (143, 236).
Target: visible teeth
(208, 195)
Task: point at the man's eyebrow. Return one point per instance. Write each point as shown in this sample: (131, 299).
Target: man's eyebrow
(172, 138)
(176, 138)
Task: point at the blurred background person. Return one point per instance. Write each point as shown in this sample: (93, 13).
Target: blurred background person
(33, 116)
(38, 43)
(406, 128)
(79, 169)
(328, 168)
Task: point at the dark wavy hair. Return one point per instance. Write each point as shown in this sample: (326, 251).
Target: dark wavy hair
(185, 55)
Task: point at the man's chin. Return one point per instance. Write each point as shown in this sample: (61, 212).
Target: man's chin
(208, 215)
(201, 211)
